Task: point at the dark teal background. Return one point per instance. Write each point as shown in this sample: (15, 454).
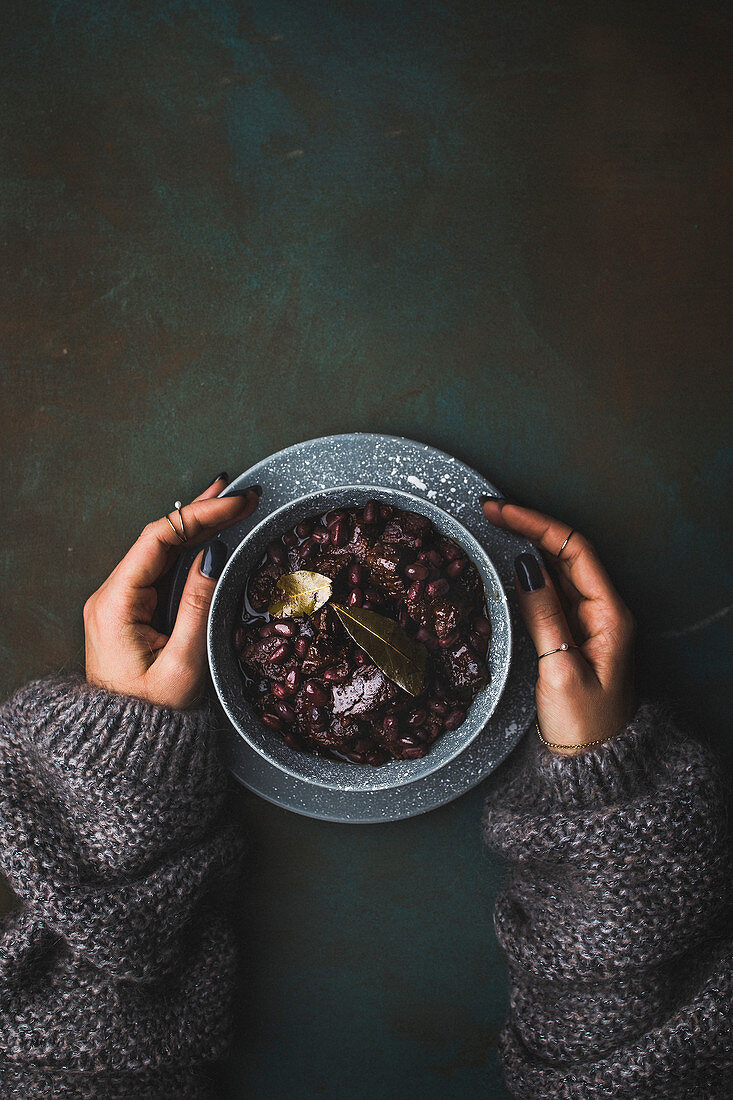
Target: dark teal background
(500, 228)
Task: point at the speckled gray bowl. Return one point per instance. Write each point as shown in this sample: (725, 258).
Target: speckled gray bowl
(225, 614)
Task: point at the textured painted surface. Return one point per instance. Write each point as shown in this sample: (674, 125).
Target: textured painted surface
(503, 229)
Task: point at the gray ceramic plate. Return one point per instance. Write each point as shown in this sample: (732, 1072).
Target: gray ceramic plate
(415, 468)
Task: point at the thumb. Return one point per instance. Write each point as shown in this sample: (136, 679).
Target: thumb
(540, 605)
(186, 646)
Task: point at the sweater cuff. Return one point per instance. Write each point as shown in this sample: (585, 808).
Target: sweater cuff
(625, 766)
(81, 730)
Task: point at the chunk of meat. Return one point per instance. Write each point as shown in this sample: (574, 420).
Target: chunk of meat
(383, 563)
(462, 669)
(262, 585)
(406, 529)
(446, 617)
(365, 691)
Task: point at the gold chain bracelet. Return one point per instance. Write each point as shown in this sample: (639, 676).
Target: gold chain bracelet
(552, 745)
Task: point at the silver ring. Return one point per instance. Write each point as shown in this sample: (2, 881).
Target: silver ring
(182, 533)
(560, 649)
(567, 540)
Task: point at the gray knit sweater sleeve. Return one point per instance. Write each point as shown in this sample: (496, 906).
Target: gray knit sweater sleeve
(117, 962)
(615, 918)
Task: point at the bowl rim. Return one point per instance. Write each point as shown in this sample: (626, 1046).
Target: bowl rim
(477, 551)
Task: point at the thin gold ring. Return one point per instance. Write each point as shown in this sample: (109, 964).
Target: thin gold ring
(182, 533)
(567, 540)
(560, 649)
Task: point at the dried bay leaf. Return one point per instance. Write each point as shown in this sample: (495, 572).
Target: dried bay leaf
(398, 656)
(303, 592)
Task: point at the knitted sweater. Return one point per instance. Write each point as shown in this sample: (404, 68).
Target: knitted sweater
(117, 962)
(615, 918)
(117, 965)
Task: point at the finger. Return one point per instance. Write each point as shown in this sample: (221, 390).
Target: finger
(570, 599)
(578, 559)
(540, 606)
(187, 645)
(217, 486)
(159, 543)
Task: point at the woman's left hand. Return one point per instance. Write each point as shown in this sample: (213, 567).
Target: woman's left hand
(124, 652)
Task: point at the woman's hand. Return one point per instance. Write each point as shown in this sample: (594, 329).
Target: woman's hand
(585, 694)
(124, 653)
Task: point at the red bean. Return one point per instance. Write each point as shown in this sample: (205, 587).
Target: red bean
(360, 658)
(321, 536)
(385, 511)
(336, 675)
(371, 512)
(441, 587)
(438, 706)
(272, 721)
(302, 645)
(482, 626)
(290, 538)
(416, 591)
(416, 718)
(455, 568)
(416, 572)
(450, 640)
(407, 741)
(279, 654)
(276, 552)
(291, 740)
(286, 712)
(450, 551)
(267, 629)
(239, 635)
(356, 574)
(339, 533)
(292, 680)
(304, 529)
(426, 638)
(434, 558)
(287, 629)
(372, 595)
(356, 597)
(307, 549)
(280, 690)
(478, 643)
(334, 517)
(415, 752)
(455, 719)
(316, 693)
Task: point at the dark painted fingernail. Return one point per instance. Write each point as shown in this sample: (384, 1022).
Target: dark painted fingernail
(214, 559)
(223, 476)
(256, 489)
(529, 572)
(497, 500)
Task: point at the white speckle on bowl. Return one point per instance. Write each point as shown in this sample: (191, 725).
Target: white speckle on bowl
(417, 482)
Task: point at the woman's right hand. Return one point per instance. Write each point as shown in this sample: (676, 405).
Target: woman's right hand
(585, 694)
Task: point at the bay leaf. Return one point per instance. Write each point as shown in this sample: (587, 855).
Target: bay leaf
(393, 651)
(303, 592)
